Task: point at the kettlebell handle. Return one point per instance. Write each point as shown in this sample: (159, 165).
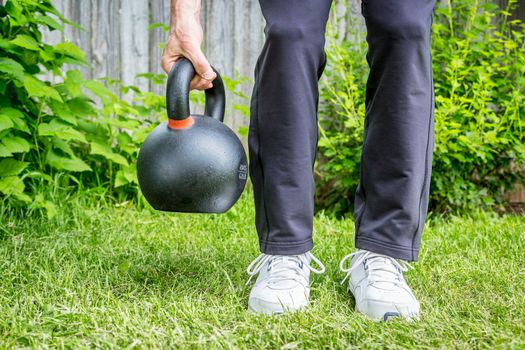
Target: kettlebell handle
(178, 93)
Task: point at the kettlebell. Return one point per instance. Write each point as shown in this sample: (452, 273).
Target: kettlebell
(192, 163)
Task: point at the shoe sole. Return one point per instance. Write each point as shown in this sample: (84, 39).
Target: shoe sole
(390, 315)
(403, 311)
(257, 312)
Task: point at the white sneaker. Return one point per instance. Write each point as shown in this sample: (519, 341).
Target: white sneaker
(283, 283)
(378, 286)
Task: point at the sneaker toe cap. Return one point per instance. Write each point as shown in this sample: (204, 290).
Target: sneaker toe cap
(264, 306)
(267, 301)
(389, 293)
(376, 302)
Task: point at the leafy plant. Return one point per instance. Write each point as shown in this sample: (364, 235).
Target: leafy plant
(341, 113)
(59, 130)
(64, 124)
(479, 57)
(479, 66)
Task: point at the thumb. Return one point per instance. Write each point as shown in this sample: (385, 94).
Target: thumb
(201, 64)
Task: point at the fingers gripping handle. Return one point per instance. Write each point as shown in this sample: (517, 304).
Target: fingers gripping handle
(178, 93)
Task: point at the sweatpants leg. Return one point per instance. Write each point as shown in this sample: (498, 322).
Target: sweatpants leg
(391, 200)
(283, 131)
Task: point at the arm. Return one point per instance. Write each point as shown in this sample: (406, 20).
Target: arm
(185, 39)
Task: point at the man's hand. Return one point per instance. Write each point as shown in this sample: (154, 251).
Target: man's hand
(185, 40)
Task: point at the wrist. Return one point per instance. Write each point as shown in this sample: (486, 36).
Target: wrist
(180, 27)
(181, 24)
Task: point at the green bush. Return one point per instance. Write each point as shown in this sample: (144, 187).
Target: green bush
(341, 115)
(479, 66)
(65, 130)
(60, 131)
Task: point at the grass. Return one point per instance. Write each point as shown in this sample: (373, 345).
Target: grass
(108, 276)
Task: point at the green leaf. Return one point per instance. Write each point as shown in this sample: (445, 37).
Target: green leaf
(49, 22)
(72, 134)
(7, 45)
(49, 207)
(64, 163)
(125, 143)
(48, 53)
(60, 129)
(126, 176)
(47, 7)
(63, 146)
(26, 42)
(11, 167)
(16, 18)
(129, 124)
(13, 8)
(63, 111)
(4, 152)
(12, 68)
(100, 90)
(12, 185)
(73, 82)
(5, 122)
(16, 117)
(15, 144)
(70, 50)
(37, 88)
(104, 150)
(81, 106)
(131, 173)
(120, 179)
(163, 26)
(52, 128)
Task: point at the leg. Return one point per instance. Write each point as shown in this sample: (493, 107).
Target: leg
(392, 197)
(282, 145)
(283, 126)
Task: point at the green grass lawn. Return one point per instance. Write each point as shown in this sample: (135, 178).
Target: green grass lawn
(104, 276)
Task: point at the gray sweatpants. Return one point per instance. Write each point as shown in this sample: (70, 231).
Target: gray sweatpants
(391, 200)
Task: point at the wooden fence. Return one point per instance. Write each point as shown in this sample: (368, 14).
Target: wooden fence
(119, 44)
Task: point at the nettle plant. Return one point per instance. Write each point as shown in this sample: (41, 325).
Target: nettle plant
(479, 74)
(66, 130)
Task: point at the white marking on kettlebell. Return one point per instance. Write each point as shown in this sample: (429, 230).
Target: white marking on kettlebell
(243, 171)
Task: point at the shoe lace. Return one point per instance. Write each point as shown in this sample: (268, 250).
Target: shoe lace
(375, 263)
(282, 271)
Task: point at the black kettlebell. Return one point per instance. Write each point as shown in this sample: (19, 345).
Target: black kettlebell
(192, 163)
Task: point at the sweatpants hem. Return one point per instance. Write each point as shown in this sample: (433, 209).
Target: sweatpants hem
(395, 251)
(286, 248)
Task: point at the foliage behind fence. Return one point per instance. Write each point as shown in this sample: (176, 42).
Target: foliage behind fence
(75, 132)
(479, 74)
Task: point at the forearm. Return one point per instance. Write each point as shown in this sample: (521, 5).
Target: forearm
(182, 10)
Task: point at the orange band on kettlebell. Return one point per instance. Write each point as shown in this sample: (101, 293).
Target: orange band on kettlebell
(181, 124)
